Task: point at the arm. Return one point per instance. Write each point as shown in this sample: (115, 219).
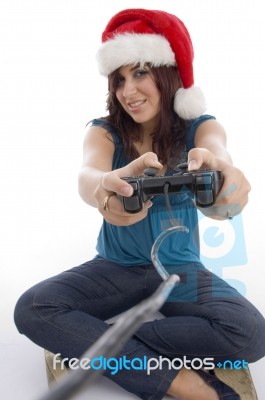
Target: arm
(212, 136)
(97, 180)
(98, 151)
(211, 152)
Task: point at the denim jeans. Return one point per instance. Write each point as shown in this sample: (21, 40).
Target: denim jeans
(204, 317)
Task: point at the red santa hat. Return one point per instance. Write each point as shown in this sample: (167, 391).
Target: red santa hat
(150, 36)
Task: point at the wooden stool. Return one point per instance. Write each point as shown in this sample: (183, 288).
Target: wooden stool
(239, 380)
(53, 375)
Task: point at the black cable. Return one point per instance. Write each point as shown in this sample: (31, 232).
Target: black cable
(173, 220)
(176, 227)
(111, 342)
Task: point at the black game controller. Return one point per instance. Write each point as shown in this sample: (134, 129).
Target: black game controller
(204, 185)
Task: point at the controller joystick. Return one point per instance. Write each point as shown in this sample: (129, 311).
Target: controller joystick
(183, 167)
(151, 171)
(203, 185)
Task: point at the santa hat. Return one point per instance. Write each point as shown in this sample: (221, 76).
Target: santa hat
(150, 36)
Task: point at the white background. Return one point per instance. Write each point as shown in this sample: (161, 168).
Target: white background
(49, 89)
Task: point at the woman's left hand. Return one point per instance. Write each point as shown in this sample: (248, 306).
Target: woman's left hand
(234, 193)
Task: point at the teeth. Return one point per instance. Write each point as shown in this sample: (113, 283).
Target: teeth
(136, 103)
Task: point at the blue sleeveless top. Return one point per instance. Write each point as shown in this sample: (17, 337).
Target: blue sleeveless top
(131, 245)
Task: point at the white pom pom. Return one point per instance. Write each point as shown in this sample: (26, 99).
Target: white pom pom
(189, 103)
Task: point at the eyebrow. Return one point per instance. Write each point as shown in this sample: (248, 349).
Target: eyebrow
(135, 67)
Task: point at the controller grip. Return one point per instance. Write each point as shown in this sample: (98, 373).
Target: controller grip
(135, 202)
(207, 189)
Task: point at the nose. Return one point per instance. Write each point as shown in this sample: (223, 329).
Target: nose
(129, 88)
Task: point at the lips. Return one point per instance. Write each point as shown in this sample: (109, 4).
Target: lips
(135, 104)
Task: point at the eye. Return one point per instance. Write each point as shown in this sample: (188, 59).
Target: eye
(139, 73)
(119, 80)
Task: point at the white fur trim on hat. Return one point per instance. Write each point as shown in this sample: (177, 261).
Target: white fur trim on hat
(131, 48)
(189, 103)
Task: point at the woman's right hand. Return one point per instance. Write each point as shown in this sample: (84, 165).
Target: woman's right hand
(111, 183)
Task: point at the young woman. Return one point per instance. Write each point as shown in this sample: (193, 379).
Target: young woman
(155, 120)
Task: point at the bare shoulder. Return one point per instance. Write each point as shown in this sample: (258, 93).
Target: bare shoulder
(98, 147)
(208, 132)
(95, 134)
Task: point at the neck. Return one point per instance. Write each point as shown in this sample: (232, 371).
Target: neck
(148, 128)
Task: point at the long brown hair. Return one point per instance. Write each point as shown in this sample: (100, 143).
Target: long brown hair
(169, 137)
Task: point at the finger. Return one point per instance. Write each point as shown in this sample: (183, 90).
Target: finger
(117, 216)
(115, 206)
(227, 193)
(136, 167)
(223, 211)
(122, 220)
(235, 188)
(113, 183)
(199, 157)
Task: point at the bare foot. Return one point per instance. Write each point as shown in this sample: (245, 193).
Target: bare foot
(190, 386)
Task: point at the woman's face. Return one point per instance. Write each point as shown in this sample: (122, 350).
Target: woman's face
(137, 93)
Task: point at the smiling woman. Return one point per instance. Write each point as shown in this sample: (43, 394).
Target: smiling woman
(155, 120)
(160, 136)
(138, 95)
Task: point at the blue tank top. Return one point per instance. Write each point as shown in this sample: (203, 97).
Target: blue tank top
(131, 245)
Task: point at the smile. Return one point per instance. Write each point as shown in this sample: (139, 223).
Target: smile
(136, 104)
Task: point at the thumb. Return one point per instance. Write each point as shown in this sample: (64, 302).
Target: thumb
(137, 166)
(135, 169)
(201, 157)
(112, 182)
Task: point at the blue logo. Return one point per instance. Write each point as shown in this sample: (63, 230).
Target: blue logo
(236, 364)
(222, 244)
